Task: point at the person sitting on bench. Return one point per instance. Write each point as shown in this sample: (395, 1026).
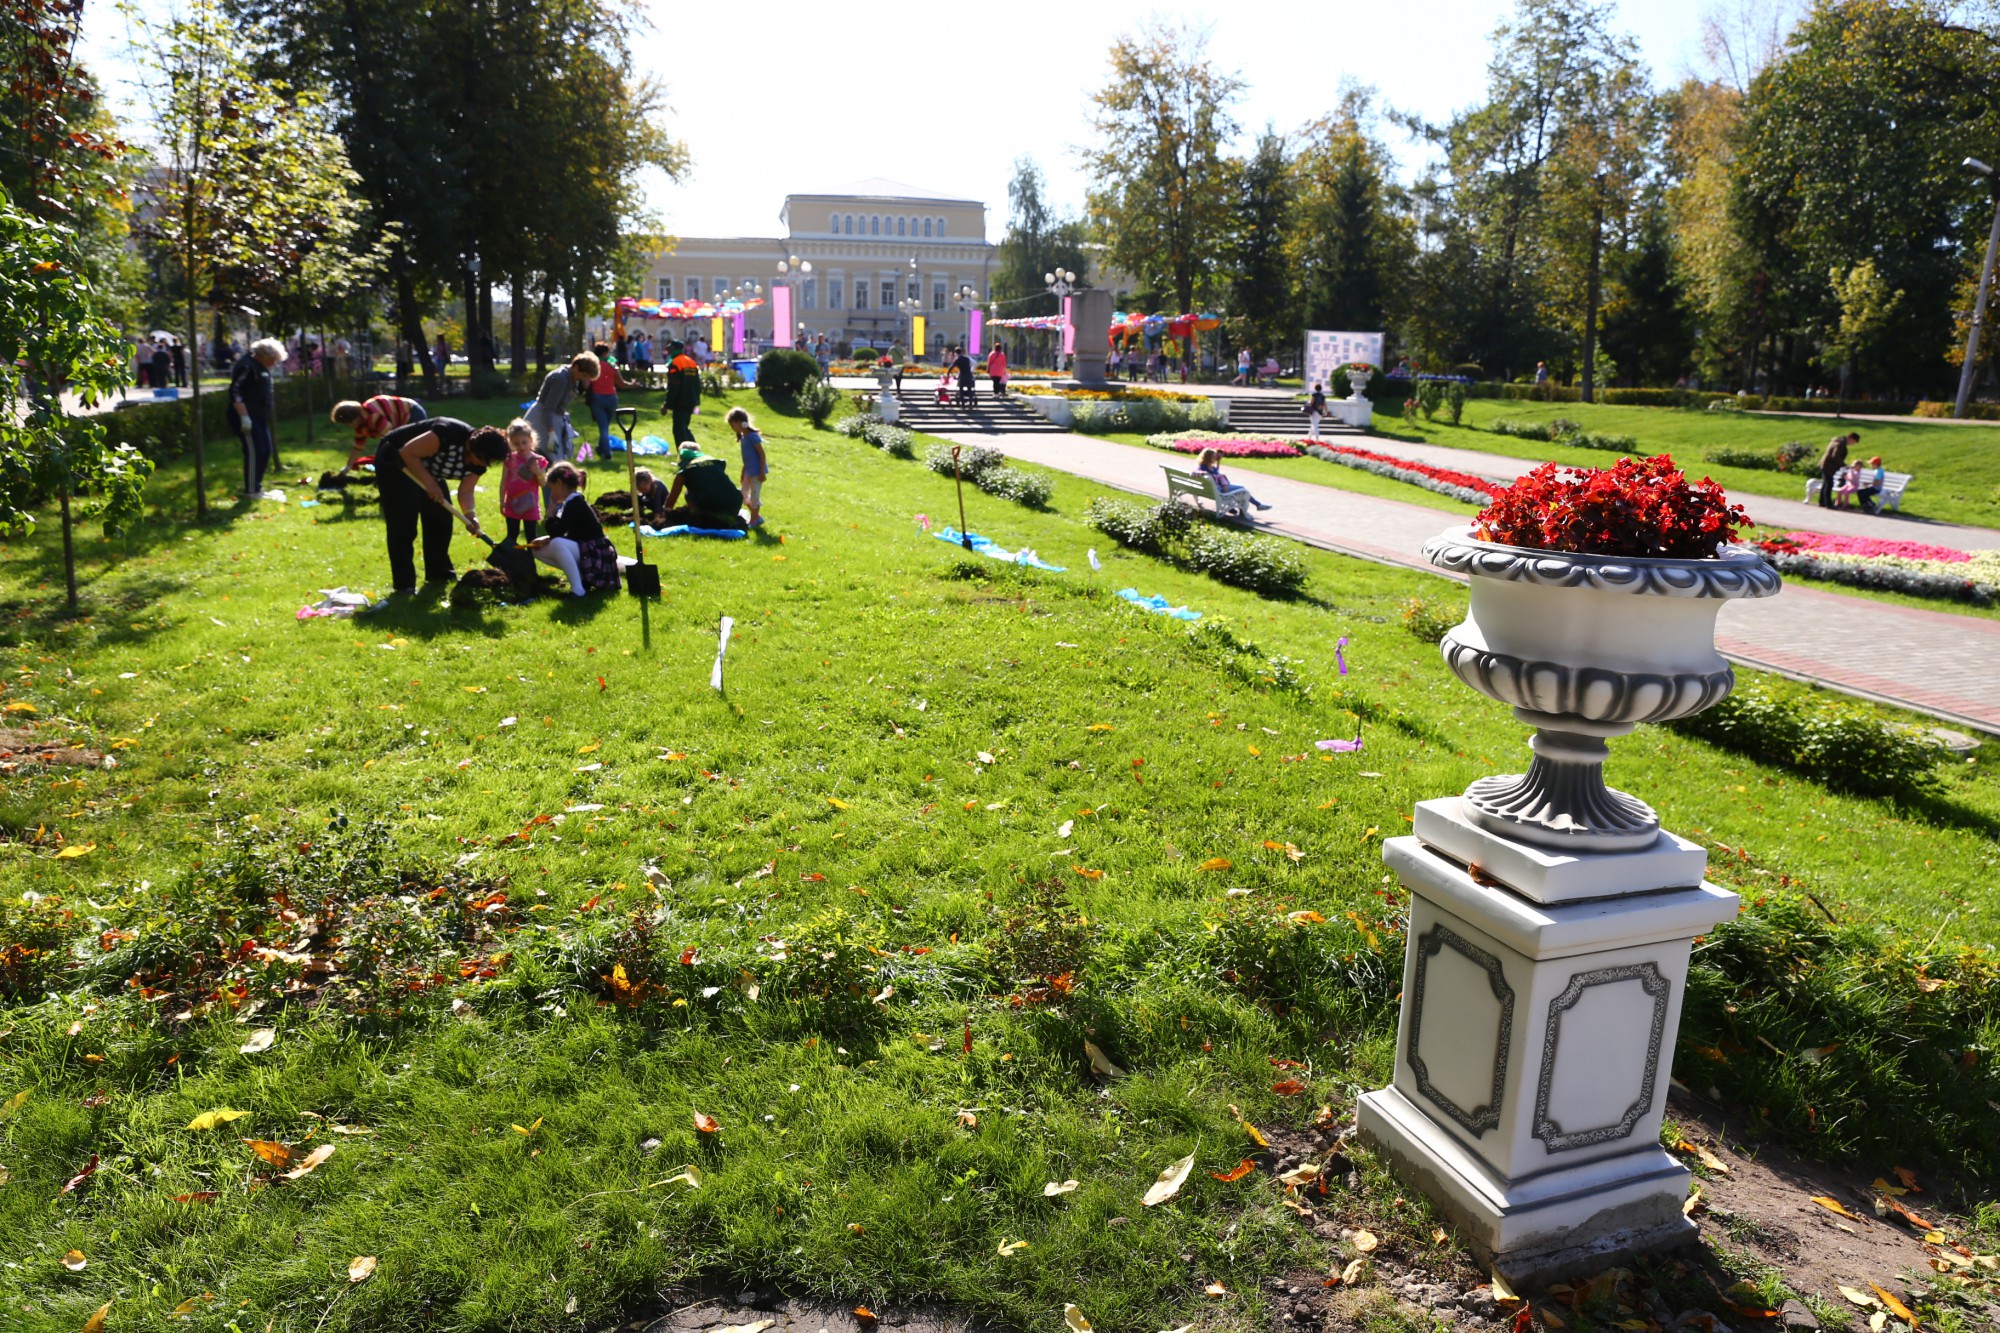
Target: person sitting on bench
(1868, 484)
(1210, 466)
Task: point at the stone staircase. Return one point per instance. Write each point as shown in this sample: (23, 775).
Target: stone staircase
(989, 415)
(1262, 414)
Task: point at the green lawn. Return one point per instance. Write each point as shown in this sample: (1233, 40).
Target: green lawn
(1957, 468)
(942, 802)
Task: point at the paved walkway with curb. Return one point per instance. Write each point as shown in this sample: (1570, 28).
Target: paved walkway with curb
(1927, 661)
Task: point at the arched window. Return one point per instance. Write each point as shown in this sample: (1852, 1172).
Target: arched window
(902, 226)
(940, 226)
(833, 224)
(927, 226)
(874, 226)
(850, 224)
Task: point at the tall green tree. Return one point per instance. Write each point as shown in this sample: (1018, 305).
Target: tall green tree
(1849, 151)
(1163, 188)
(54, 339)
(1350, 241)
(1038, 241)
(251, 195)
(1263, 282)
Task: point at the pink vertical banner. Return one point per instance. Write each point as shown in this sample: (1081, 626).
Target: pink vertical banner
(781, 316)
(736, 336)
(1069, 326)
(974, 322)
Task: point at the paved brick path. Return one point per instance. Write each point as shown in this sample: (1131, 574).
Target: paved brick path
(1930, 661)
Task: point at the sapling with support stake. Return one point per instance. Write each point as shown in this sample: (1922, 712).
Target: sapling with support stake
(964, 537)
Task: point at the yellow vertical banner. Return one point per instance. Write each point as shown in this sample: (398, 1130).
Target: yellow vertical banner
(916, 335)
(715, 335)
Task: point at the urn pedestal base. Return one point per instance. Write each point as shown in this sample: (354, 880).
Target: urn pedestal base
(1536, 1041)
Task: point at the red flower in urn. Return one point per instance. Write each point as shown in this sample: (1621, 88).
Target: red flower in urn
(1642, 508)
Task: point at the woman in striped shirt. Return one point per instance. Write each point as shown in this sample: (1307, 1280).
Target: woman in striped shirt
(374, 419)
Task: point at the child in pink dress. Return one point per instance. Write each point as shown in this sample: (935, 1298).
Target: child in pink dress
(521, 482)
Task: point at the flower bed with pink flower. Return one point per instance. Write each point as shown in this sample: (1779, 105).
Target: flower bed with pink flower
(1458, 485)
(1229, 446)
(1916, 568)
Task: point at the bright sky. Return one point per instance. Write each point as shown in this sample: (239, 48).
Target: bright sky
(948, 99)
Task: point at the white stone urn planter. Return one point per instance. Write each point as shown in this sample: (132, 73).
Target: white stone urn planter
(1357, 384)
(1586, 647)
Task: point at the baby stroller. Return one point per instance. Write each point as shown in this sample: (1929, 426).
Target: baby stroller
(944, 391)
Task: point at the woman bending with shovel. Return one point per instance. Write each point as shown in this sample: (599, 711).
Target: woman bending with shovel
(412, 463)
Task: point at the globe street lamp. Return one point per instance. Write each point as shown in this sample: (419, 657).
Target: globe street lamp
(1966, 372)
(1060, 283)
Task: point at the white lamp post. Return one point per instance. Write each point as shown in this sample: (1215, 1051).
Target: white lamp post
(1966, 373)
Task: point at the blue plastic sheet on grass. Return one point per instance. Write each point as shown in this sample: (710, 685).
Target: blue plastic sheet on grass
(683, 530)
(1158, 605)
(646, 446)
(1024, 556)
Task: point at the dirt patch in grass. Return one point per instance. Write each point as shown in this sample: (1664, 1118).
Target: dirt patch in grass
(20, 748)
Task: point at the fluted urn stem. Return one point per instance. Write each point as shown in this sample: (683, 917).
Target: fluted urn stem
(1562, 802)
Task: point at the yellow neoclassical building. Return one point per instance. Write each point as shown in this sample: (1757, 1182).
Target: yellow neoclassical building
(872, 245)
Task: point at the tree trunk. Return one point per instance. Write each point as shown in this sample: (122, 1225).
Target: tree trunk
(69, 548)
(473, 341)
(542, 332)
(517, 330)
(489, 356)
(1591, 299)
(410, 327)
(194, 400)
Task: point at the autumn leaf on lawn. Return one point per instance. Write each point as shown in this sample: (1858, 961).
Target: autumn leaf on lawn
(985, 758)
(1055, 1187)
(1215, 1289)
(76, 1181)
(1256, 1135)
(836, 803)
(1074, 1318)
(1893, 1191)
(1289, 1087)
(864, 1314)
(1693, 1204)
(1889, 1206)
(210, 1119)
(74, 1261)
(1214, 863)
(190, 1305)
(689, 1173)
(360, 1267)
(1099, 1061)
(75, 850)
(1832, 1205)
(1301, 1175)
(277, 1154)
(95, 1324)
(705, 1123)
(260, 1041)
(1352, 1273)
(1098, 726)
(1894, 1306)
(1703, 1155)
(1009, 1248)
(1909, 1179)
(1088, 874)
(968, 1120)
(1503, 1293)
(1169, 1181)
(1243, 1168)
(1365, 1242)
(312, 1163)
(15, 1103)
(757, 1327)
(524, 1133)
(199, 1196)
(1860, 1298)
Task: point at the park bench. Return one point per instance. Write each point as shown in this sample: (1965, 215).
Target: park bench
(1893, 486)
(1198, 487)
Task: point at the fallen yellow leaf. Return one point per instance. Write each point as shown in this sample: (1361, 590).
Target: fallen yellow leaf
(1215, 1289)
(1074, 1318)
(14, 1103)
(1010, 1248)
(75, 850)
(1894, 1306)
(1214, 863)
(95, 1324)
(75, 1262)
(689, 1173)
(1365, 1242)
(524, 1133)
(1099, 1061)
(1832, 1205)
(1302, 1175)
(1168, 1183)
(1055, 1187)
(1860, 1298)
(210, 1119)
(1353, 1272)
(1503, 1293)
(260, 1040)
(277, 1154)
(312, 1163)
(190, 1305)
(836, 803)
(360, 1267)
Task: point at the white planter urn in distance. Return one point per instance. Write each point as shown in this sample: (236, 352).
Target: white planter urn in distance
(1552, 918)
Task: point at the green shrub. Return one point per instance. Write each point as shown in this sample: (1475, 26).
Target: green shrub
(818, 400)
(1592, 439)
(1847, 1039)
(1182, 536)
(1830, 740)
(1215, 639)
(782, 372)
(1430, 397)
(1733, 455)
(1454, 401)
(1144, 416)
(987, 469)
(1792, 453)
(1521, 430)
(1428, 621)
